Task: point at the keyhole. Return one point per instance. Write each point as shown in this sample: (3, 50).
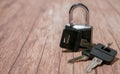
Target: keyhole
(106, 49)
(66, 39)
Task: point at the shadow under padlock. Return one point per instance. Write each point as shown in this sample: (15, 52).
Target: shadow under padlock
(76, 36)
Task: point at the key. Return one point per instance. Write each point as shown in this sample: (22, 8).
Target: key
(95, 62)
(85, 56)
(103, 54)
(77, 59)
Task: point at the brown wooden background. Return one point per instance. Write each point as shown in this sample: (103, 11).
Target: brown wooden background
(30, 32)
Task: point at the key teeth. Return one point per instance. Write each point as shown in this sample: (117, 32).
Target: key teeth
(77, 59)
(95, 62)
(71, 61)
(88, 71)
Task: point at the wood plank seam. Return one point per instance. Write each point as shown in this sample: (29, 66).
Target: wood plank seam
(23, 45)
(9, 4)
(113, 7)
(42, 54)
(13, 17)
(96, 72)
(60, 62)
(19, 53)
(114, 39)
(73, 64)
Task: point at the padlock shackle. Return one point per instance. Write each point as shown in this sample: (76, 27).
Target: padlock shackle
(75, 6)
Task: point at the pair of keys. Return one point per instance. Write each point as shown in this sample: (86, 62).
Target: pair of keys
(99, 54)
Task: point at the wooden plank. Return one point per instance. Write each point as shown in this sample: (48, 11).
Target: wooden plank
(37, 53)
(31, 55)
(14, 33)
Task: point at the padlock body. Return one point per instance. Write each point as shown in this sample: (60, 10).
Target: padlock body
(71, 37)
(86, 35)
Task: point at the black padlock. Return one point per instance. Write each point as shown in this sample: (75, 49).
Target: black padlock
(75, 36)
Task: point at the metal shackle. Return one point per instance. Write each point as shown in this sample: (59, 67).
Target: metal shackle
(79, 5)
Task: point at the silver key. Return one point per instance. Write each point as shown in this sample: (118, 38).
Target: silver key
(77, 59)
(95, 62)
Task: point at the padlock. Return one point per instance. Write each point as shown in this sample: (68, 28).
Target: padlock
(75, 36)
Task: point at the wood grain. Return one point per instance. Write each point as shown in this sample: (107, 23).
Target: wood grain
(30, 32)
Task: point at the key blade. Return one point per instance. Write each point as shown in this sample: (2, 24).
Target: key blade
(95, 62)
(108, 45)
(84, 58)
(77, 59)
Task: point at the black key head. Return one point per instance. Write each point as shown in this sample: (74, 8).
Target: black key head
(106, 54)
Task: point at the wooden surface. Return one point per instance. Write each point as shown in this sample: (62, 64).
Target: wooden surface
(30, 32)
